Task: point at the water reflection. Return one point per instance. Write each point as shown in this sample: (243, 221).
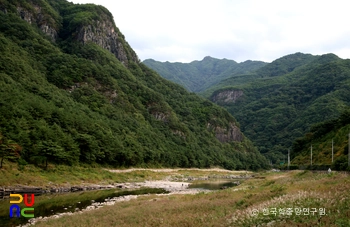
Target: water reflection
(49, 205)
(214, 185)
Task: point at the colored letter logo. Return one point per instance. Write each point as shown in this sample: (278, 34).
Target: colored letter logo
(16, 208)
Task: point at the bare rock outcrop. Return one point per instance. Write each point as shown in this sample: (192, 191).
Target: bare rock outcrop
(228, 134)
(104, 34)
(40, 19)
(227, 96)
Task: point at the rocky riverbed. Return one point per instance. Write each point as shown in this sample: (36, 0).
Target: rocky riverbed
(174, 183)
(172, 187)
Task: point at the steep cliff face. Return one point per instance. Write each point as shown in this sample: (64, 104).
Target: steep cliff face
(79, 100)
(80, 24)
(229, 134)
(36, 15)
(105, 34)
(227, 96)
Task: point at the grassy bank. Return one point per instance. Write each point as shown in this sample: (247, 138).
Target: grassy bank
(61, 175)
(251, 204)
(245, 205)
(52, 204)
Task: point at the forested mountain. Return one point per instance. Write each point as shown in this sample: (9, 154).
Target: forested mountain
(322, 137)
(276, 68)
(282, 100)
(73, 91)
(200, 75)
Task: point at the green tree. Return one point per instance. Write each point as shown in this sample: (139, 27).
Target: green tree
(8, 148)
(51, 151)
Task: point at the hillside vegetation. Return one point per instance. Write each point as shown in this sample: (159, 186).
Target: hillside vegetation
(73, 91)
(322, 137)
(198, 76)
(282, 100)
(275, 103)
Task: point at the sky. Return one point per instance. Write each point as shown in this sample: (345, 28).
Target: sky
(240, 30)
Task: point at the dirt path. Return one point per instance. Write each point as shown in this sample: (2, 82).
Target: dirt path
(175, 170)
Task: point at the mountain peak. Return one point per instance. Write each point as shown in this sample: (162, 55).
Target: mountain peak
(85, 23)
(206, 58)
(285, 64)
(72, 100)
(197, 75)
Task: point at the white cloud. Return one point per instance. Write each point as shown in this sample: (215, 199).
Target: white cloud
(186, 30)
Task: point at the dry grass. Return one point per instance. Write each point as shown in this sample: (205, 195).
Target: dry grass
(232, 207)
(29, 175)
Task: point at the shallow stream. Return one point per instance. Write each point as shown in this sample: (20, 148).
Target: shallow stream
(51, 204)
(214, 185)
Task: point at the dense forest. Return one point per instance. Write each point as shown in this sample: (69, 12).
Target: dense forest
(72, 91)
(333, 134)
(280, 101)
(197, 76)
(285, 98)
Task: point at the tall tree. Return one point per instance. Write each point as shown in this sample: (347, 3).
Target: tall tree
(8, 148)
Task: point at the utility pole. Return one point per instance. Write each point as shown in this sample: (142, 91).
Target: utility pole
(288, 158)
(332, 150)
(311, 155)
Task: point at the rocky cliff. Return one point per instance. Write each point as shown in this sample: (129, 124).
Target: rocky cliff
(228, 134)
(84, 96)
(35, 14)
(94, 24)
(100, 29)
(227, 96)
(104, 33)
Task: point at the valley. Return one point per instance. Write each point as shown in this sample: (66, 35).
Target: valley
(72, 95)
(280, 102)
(108, 140)
(300, 198)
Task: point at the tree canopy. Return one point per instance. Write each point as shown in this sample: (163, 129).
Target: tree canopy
(67, 102)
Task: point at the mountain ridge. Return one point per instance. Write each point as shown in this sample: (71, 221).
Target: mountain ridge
(83, 96)
(278, 102)
(198, 75)
(276, 105)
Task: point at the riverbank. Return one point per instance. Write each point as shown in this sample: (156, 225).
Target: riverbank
(60, 179)
(63, 179)
(312, 199)
(172, 187)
